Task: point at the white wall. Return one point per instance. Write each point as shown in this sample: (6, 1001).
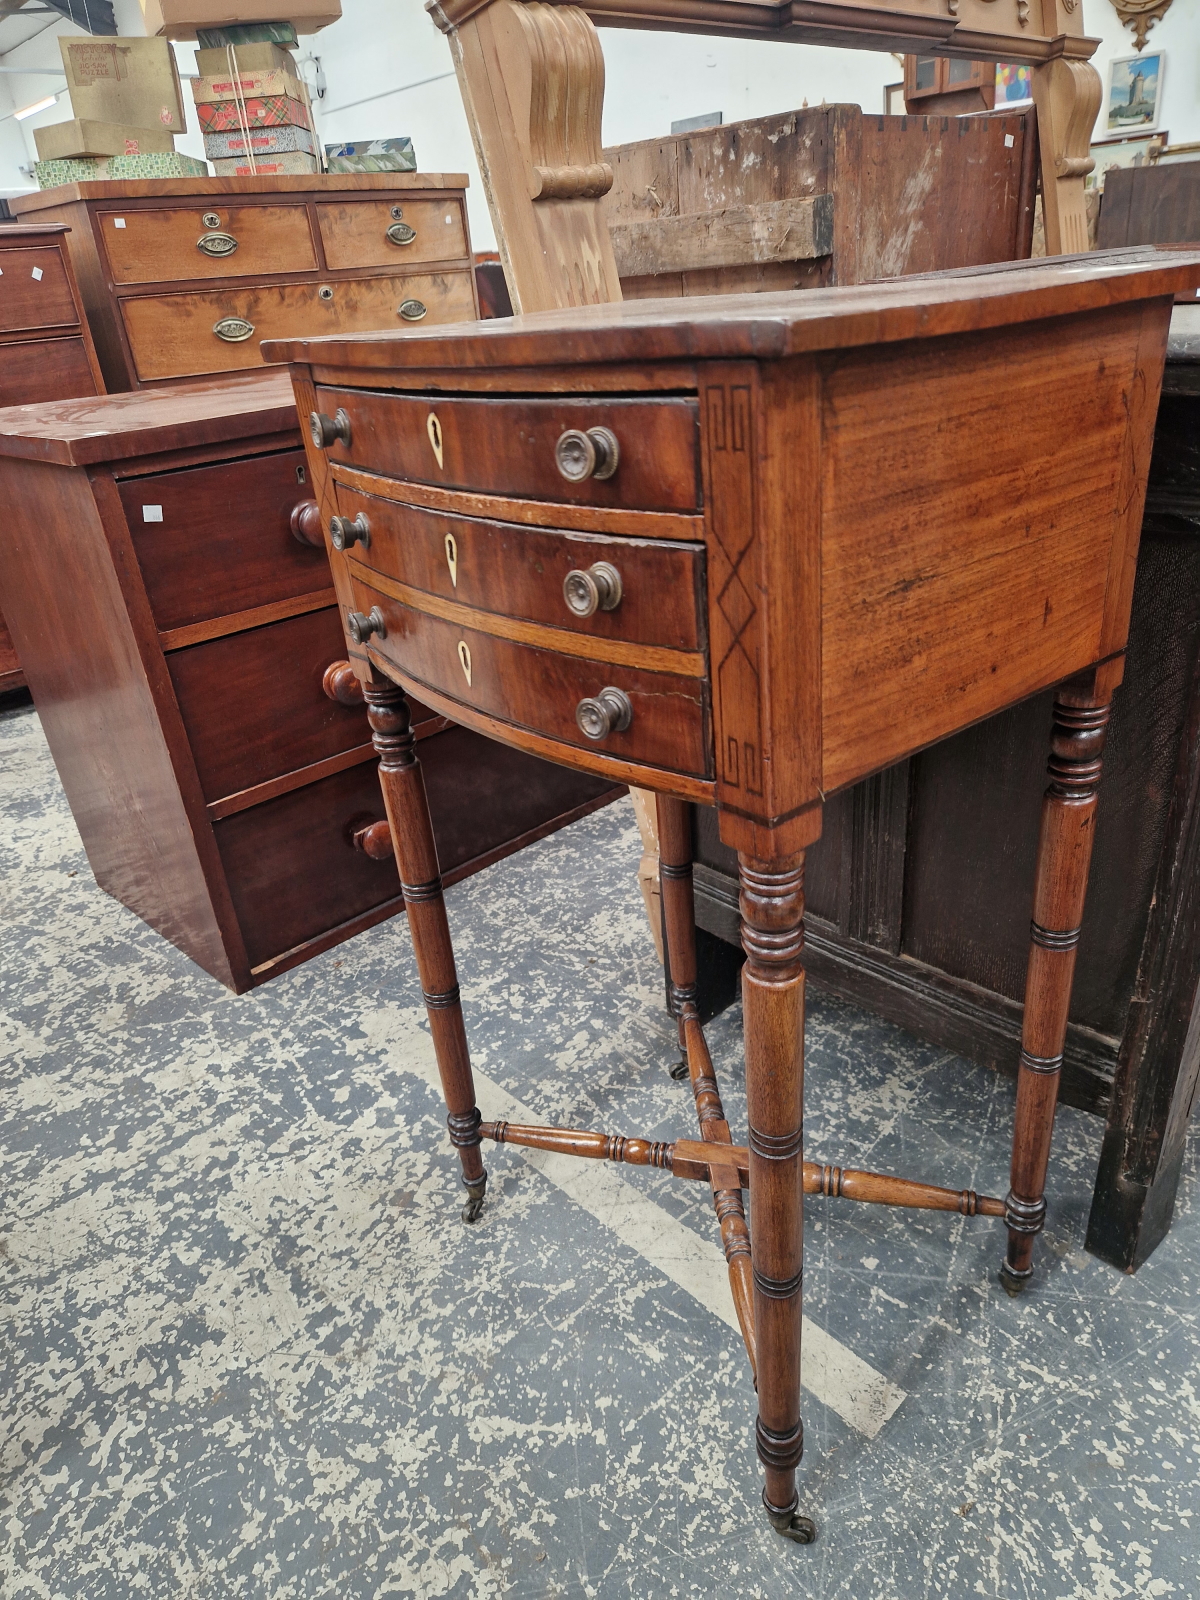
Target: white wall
(380, 49)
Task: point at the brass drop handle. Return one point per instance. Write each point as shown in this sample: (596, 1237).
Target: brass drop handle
(597, 589)
(216, 244)
(234, 330)
(305, 522)
(594, 454)
(374, 840)
(341, 683)
(343, 533)
(608, 712)
(327, 431)
(361, 628)
(401, 233)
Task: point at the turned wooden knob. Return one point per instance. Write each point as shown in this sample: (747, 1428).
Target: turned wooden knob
(597, 589)
(340, 682)
(593, 454)
(374, 840)
(328, 430)
(361, 628)
(343, 533)
(608, 712)
(306, 524)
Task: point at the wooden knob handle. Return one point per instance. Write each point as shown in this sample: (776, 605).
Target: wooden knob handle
(340, 682)
(594, 454)
(328, 431)
(608, 712)
(374, 840)
(597, 589)
(306, 524)
(361, 628)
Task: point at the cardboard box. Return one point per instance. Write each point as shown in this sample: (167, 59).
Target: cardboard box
(269, 111)
(50, 174)
(247, 85)
(246, 58)
(60, 141)
(284, 166)
(371, 155)
(240, 33)
(131, 82)
(182, 19)
(263, 141)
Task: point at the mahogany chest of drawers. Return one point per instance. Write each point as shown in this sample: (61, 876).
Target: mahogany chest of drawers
(46, 351)
(183, 278)
(181, 638)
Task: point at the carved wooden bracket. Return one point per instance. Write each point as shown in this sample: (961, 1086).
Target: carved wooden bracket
(1067, 95)
(1141, 15)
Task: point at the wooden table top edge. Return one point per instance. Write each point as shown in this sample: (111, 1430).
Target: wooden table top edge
(180, 188)
(771, 326)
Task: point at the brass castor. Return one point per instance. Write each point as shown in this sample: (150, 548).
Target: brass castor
(1013, 1282)
(790, 1524)
(680, 1070)
(473, 1209)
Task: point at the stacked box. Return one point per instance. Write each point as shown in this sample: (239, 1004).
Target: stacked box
(253, 109)
(262, 141)
(67, 141)
(211, 21)
(371, 155)
(279, 166)
(50, 174)
(264, 111)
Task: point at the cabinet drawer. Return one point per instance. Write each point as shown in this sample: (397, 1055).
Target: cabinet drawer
(35, 291)
(215, 540)
(506, 446)
(539, 689)
(163, 246)
(44, 369)
(354, 233)
(253, 705)
(291, 866)
(174, 335)
(519, 572)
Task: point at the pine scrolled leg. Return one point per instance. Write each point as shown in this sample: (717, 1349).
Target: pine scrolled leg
(772, 908)
(403, 786)
(1064, 856)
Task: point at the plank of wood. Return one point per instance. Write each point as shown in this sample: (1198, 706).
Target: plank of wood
(772, 230)
(239, 621)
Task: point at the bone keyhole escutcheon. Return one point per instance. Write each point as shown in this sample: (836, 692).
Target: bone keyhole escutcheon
(434, 429)
(452, 562)
(464, 657)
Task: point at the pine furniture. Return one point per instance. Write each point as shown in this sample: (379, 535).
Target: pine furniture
(744, 551)
(184, 277)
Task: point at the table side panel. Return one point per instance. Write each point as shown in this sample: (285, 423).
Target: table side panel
(971, 493)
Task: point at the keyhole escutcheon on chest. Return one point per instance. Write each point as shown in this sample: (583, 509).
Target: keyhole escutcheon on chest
(464, 660)
(452, 558)
(434, 429)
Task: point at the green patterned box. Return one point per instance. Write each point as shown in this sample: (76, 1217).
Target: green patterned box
(50, 174)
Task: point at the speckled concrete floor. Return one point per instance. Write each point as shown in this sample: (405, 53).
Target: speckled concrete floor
(250, 1350)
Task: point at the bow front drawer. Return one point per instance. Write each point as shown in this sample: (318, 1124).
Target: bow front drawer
(645, 591)
(639, 455)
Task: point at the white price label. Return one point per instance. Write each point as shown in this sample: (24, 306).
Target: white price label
(118, 222)
(152, 514)
(37, 274)
(1009, 141)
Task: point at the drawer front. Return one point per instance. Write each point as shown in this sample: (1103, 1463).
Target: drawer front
(215, 540)
(173, 335)
(506, 447)
(539, 690)
(292, 870)
(163, 246)
(354, 233)
(34, 291)
(253, 705)
(519, 572)
(44, 369)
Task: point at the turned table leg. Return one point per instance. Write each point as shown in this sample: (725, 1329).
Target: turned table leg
(679, 914)
(1064, 855)
(772, 908)
(404, 796)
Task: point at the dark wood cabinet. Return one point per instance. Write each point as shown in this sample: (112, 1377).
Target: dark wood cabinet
(179, 637)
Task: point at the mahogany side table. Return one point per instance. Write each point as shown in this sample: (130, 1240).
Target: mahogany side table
(745, 551)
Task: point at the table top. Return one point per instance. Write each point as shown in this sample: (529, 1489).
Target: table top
(770, 326)
(114, 427)
(182, 188)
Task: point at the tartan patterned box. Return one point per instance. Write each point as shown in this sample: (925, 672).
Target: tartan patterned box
(264, 111)
(263, 141)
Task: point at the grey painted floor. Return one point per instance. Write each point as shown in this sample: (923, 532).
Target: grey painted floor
(250, 1350)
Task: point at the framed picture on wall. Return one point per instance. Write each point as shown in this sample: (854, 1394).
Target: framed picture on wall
(1014, 86)
(1138, 150)
(1135, 92)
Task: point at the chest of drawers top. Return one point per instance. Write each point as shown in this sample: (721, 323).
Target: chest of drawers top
(185, 277)
(748, 549)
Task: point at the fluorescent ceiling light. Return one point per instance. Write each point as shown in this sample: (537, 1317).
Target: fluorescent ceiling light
(38, 105)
